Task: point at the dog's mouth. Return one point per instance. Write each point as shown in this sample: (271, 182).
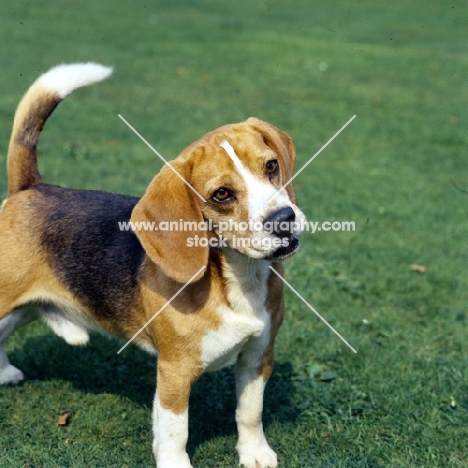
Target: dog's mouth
(288, 251)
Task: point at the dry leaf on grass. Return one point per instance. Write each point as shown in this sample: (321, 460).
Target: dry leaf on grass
(63, 419)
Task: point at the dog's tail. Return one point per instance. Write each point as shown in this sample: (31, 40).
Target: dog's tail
(34, 109)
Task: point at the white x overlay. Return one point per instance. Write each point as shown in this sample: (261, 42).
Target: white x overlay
(272, 269)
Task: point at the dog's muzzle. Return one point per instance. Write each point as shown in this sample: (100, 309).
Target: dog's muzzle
(281, 225)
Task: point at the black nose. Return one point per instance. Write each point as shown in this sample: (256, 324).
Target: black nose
(280, 222)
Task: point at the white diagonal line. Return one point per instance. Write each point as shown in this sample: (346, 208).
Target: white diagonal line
(313, 310)
(161, 157)
(160, 310)
(313, 157)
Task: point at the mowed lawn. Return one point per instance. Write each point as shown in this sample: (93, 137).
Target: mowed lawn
(399, 171)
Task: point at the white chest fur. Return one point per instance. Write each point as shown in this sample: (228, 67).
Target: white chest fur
(245, 321)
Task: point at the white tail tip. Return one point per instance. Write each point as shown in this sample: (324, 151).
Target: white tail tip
(65, 78)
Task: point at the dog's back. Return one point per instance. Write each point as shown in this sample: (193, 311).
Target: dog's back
(71, 222)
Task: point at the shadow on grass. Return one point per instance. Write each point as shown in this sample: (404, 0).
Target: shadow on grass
(98, 369)
(213, 403)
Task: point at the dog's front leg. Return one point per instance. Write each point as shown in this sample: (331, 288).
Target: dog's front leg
(170, 415)
(251, 377)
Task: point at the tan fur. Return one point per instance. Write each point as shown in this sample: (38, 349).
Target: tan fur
(33, 110)
(161, 204)
(24, 270)
(275, 306)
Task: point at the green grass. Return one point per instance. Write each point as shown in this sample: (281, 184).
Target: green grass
(184, 68)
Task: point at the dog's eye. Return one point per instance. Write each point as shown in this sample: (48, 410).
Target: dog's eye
(222, 195)
(272, 167)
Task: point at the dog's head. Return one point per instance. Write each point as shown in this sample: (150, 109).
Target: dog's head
(222, 191)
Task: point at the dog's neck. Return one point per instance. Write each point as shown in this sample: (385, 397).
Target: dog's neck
(246, 269)
(246, 279)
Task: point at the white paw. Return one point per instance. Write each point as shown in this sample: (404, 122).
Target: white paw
(261, 457)
(174, 462)
(10, 375)
(74, 335)
(71, 332)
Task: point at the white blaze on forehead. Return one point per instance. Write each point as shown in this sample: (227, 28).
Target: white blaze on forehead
(232, 154)
(259, 193)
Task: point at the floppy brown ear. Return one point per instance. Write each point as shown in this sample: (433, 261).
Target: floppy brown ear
(168, 199)
(282, 144)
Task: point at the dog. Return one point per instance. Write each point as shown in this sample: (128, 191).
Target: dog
(198, 306)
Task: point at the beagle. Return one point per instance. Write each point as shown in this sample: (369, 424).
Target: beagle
(198, 306)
